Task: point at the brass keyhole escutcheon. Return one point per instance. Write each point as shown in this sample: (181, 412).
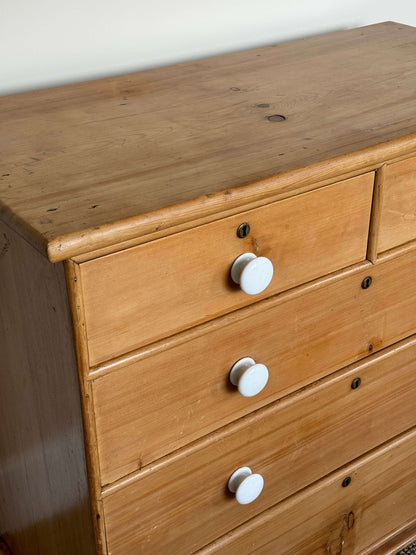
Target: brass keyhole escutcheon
(243, 230)
(346, 482)
(367, 281)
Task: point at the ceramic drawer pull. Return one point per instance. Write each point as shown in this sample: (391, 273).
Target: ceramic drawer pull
(246, 485)
(249, 377)
(252, 273)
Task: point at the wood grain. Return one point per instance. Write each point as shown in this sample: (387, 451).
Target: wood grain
(333, 519)
(290, 185)
(291, 443)
(142, 294)
(376, 209)
(146, 351)
(398, 539)
(139, 183)
(158, 404)
(93, 164)
(398, 216)
(44, 506)
(76, 306)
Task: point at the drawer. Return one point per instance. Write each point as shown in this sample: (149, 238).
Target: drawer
(183, 501)
(327, 518)
(163, 401)
(398, 212)
(142, 294)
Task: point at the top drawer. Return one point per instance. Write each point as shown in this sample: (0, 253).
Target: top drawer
(398, 211)
(145, 293)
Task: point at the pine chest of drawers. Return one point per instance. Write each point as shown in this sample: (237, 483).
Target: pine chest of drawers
(208, 305)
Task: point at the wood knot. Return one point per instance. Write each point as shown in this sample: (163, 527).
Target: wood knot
(276, 118)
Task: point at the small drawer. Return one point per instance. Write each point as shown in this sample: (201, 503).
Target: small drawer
(398, 211)
(379, 501)
(163, 401)
(184, 502)
(137, 296)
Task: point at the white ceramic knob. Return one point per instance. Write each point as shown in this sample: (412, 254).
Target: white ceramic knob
(246, 485)
(249, 377)
(253, 273)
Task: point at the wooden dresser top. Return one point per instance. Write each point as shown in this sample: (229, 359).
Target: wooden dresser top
(88, 165)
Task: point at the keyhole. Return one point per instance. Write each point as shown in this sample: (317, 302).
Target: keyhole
(365, 284)
(243, 230)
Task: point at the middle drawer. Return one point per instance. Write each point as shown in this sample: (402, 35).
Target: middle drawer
(162, 402)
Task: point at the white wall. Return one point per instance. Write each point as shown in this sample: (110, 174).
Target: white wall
(47, 42)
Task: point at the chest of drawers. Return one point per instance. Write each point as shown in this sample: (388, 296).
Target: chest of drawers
(161, 392)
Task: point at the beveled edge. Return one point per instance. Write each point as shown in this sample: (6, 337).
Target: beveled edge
(152, 225)
(90, 243)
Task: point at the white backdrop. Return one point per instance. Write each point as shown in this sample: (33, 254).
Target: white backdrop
(47, 42)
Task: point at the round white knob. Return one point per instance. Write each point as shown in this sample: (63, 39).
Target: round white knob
(253, 273)
(249, 377)
(246, 485)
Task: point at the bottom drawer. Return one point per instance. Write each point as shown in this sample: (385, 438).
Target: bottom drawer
(182, 503)
(328, 518)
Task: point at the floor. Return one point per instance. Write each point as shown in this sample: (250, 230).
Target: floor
(409, 550)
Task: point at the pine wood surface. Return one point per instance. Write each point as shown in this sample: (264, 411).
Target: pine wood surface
(290, 443)
(398, 211)
(146, 351)
(362, 518)
(154, 406)
(90, 439)
(44, 502)
(374, 232)
(397, 540)
(92, 164)
(139, 182)
(167, 285)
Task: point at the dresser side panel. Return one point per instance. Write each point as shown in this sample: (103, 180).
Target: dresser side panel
(44, 503)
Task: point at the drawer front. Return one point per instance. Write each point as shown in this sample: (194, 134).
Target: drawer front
(379, 501)
(398, 215)
(183, 501)
(137, 296)
(163, 402)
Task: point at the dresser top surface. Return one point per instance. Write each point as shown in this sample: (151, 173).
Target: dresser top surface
(92, 163)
